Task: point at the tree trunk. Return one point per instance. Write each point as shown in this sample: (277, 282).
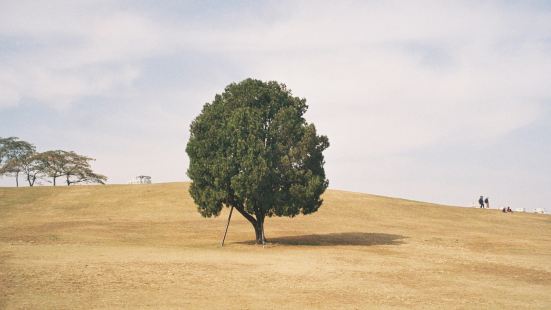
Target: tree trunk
(17, 179)
(258, 224)
(54, 181)
(258, 234)
(259, 229)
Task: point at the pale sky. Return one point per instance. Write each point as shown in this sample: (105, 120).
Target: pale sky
(437, 101)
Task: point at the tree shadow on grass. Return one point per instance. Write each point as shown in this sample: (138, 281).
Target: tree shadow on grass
(333, 239)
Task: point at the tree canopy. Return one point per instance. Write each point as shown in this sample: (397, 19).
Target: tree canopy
(76, 169)
(13, 152)
(54, 164)
(252, 149)
(32, 166)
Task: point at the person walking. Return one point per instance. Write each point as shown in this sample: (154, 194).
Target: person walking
(487, 202)
(481, 202)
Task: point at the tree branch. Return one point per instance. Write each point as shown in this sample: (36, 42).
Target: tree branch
(249, 217)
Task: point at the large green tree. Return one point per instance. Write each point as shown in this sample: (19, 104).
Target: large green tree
(252, 149)
(13, 152)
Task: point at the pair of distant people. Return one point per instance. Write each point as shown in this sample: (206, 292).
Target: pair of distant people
(505, 210)
(484, 202)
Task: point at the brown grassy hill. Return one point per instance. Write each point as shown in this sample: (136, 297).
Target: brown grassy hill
(145, 246)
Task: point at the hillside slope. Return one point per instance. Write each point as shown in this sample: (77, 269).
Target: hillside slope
(128, 246)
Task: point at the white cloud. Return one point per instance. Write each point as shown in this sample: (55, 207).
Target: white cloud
(382, 78)
(415, 71)
(71, 50)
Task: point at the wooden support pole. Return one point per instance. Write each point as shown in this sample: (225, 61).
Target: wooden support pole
(227, 225)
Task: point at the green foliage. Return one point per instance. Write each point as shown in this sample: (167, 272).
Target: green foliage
(13, 148)
(74, 167)
(32, 166)
(252, 149)
(54, 164)
(13, 152)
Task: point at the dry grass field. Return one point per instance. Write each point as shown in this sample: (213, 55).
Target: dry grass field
(145, 246)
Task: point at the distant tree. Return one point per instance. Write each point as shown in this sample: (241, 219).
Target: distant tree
(86, 175)
(12, 152)
(76, 169)
(32, 166)
(17, 156)
(54, 163)
(4, 142)
(252, 149)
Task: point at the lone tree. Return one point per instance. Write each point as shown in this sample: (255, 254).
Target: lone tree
(252, 149)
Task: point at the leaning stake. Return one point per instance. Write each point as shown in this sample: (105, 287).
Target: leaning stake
(227, 225)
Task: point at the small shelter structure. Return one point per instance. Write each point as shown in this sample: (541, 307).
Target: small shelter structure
(141, 179)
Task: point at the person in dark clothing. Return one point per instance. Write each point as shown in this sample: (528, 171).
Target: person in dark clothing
(481, 201)
(487, 202)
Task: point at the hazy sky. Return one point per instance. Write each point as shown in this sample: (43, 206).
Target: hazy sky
(430, 100)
